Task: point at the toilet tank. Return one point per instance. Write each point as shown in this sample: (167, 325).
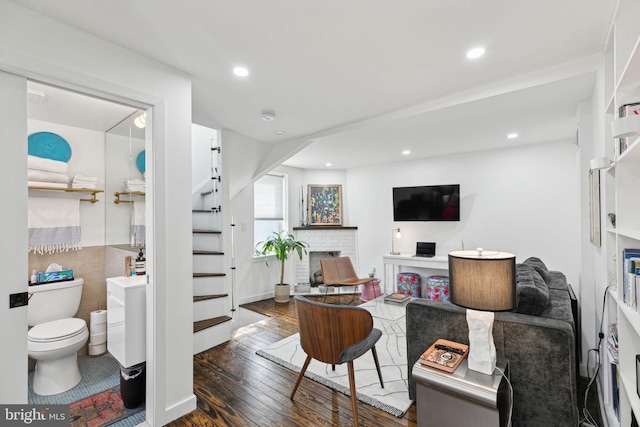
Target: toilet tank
(53, 301)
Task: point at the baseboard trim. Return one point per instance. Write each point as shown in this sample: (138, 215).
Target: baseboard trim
(176, 411)
(254, 298)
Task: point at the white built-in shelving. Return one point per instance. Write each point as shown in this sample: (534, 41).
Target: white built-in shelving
(621, 191)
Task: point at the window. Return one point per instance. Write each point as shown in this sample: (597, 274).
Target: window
(269, 206)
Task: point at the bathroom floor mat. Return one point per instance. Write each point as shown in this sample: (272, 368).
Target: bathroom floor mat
(101, 409)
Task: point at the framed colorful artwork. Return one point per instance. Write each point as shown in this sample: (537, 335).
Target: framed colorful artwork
(324, 204)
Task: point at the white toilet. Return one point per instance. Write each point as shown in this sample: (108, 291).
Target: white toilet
(56, 335)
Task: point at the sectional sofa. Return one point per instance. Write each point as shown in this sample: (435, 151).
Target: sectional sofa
(537, 338)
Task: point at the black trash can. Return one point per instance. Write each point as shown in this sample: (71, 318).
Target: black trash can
(133, 385)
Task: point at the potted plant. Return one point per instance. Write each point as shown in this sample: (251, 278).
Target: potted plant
(281, 245)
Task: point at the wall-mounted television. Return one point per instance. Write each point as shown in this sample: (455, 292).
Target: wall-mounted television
(427, 203)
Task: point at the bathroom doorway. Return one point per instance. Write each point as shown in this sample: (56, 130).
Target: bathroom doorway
(106, 151)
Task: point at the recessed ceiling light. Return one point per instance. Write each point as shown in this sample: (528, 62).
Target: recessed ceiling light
(512, 135)
(328, 165)
(241, 72)
(279, 132)
(475, 53)
(268, 116)
(406, 152)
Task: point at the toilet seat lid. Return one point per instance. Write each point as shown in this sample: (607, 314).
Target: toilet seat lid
(57, 330)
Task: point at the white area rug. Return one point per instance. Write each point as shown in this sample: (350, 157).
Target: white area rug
(392, 354)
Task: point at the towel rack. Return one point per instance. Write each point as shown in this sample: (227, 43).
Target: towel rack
(93, 192)
(126, 193)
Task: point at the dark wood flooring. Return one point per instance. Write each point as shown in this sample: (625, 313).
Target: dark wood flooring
(236, 387)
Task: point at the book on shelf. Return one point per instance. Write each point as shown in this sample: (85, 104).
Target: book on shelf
(615, 390)
(444, 355)
(613, 333)
(631, 269)
(397, 298)
(612, 342)
(614, 356)
(625, 111)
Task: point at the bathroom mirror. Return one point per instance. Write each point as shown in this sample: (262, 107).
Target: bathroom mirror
(125, 182)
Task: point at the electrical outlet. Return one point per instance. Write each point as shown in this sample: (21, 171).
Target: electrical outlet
(18, 300)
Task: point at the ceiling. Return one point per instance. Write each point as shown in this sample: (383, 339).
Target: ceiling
(55, 105)
(365, 79)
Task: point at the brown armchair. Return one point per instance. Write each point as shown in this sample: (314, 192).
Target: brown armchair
(336, 334)
(339, 272)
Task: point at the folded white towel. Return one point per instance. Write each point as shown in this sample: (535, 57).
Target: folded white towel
(78, 177)
(54, 224)
(47, 184)
(42, 164)
(135, 185)
(87, 185)
(40, 175)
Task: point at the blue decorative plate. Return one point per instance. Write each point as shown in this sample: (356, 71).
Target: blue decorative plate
(140, 162)
(49, 145)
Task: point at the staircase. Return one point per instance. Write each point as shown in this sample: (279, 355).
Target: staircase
(211, 297)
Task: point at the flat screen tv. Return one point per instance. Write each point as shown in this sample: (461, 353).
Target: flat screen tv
(427, 203)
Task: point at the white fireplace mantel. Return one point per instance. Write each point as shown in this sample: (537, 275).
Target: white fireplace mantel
(325, 239)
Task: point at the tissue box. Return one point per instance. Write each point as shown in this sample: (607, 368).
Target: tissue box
(55, 276)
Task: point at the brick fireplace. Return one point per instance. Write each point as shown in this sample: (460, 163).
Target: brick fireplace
(324, 241)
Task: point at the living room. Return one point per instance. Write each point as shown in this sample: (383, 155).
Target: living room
(529, 196)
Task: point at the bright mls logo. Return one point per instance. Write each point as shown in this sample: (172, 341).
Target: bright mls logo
(34, 415)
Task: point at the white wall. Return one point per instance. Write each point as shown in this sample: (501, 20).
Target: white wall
(40, 48)
(591, 255)
(595, 263)
(240, 159)
(87, 158)
(254, 277)
(13, 228)
(521, 200)
(203, 139)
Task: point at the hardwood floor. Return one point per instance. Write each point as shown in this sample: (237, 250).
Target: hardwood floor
(236, 387)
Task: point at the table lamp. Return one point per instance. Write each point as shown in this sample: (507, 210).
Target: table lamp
(396, 232)
(483, 282)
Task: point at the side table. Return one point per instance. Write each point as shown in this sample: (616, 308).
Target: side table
(461, 398)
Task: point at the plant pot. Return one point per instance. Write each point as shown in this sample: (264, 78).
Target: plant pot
(282, 293)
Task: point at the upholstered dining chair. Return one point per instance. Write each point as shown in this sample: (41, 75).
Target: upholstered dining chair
(339, 272)
(336, 334)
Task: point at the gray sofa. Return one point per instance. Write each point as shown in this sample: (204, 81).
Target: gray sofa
(538, 340)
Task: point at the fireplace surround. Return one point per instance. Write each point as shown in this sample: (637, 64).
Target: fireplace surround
(324, 240)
